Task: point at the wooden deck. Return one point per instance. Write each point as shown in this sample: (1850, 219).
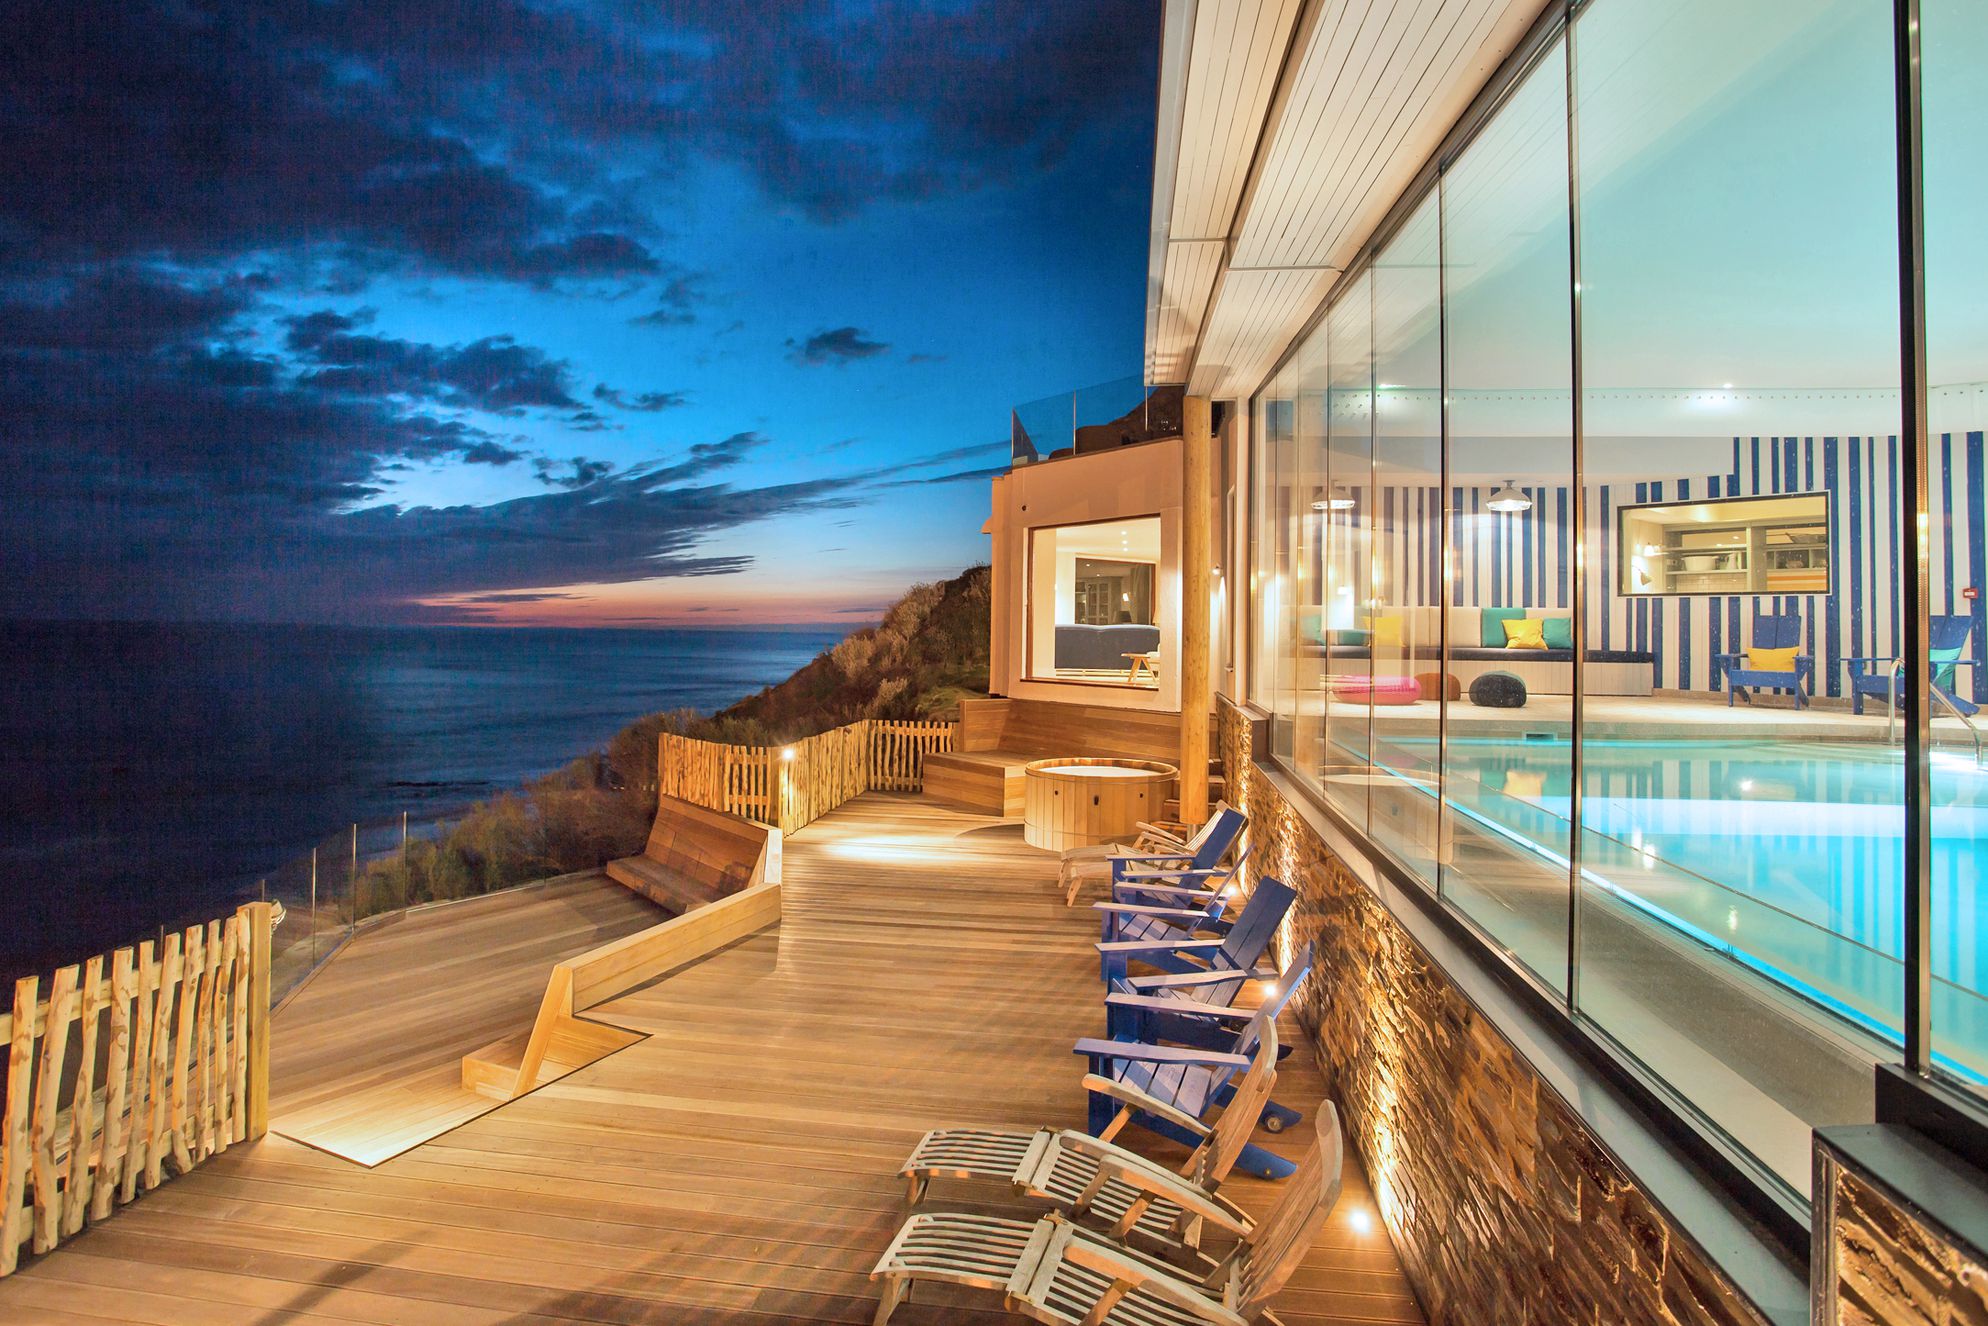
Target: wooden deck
(738, 1165)
(464, 974)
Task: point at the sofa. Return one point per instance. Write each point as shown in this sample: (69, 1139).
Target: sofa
(1419, 649)
(1103, 648)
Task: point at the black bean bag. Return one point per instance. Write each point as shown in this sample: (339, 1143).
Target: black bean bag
(1498, 690)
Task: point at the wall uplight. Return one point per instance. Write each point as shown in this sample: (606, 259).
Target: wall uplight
(787, 753)
(1509, 498)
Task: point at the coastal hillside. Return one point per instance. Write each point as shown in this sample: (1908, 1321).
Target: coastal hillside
(930, 649)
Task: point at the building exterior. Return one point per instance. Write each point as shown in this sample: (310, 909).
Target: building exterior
(1598, 549)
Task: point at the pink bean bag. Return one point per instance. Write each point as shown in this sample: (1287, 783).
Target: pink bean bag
(1358, 688)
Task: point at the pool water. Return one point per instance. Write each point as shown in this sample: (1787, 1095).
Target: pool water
(1787, 857)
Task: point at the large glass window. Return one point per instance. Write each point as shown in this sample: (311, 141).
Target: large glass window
(1508, 772)
(1404, 586)
(1094, 603)
(1603, 564)
(1341, 480)
(1740, 881)
(1954, 36)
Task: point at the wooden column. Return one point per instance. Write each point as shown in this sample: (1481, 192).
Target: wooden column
(1196, 586)
(259, 940)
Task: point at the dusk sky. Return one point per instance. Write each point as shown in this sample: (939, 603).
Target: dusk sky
(557, 313)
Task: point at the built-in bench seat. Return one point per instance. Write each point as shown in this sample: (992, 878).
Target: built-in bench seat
(1544, 671)
(998, 736)
(987, 781)
(696, 856)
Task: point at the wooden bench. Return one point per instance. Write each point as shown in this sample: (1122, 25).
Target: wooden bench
(997, 736)
(696, 856)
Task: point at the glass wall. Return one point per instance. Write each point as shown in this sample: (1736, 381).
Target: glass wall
(1954, 34)
(1508, 313)
(1653, 761)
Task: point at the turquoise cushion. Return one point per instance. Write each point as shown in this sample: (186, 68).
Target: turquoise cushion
(1559, 632)
(1351, 637)
(1944, 655)
(1311, 625)
(1492, 627)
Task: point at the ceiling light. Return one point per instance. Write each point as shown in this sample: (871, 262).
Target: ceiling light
(1338, 500)
(1509, 498)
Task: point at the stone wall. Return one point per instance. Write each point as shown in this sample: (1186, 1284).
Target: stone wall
(1888, 1263)
(1505, 1210)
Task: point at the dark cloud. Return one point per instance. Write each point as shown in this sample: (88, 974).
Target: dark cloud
(577, 472)
(495, 374)
(676, 303)
(491, 453)
(646, 402)
(958, 476)
(837, 345)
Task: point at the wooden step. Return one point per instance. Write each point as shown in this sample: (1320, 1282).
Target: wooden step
(493, 1070)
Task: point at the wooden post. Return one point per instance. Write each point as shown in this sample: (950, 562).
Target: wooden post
(1196, 561)
(82, 1103)
(14, 1124)
(48, 1089)
(258, 1020)
(117, 1082)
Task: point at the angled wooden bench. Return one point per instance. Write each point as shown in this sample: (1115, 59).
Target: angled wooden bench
(719, 873)
(696, 856)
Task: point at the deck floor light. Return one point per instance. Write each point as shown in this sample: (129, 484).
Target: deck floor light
(1509, 498)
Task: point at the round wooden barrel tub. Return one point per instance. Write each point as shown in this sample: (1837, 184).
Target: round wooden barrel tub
(1079, 802)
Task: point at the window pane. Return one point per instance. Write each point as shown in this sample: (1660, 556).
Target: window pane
(1094, 613)
(1278, 612)
(1954, 50)
(1344, 489)
(1741, 866)
(1406, 527)
(1306, 377)
(1508, 772)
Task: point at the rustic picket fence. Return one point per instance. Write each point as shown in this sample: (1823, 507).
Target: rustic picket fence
(793, 785)
(170, 1066)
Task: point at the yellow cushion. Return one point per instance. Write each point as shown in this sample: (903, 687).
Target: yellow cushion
(1524, 633)
(1771, 660)
(1387, 630)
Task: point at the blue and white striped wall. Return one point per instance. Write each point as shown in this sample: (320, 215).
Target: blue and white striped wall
(1525, 559)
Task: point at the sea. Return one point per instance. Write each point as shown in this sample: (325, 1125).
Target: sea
(152, 774)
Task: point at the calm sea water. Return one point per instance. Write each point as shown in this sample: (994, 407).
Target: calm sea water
(149, 772)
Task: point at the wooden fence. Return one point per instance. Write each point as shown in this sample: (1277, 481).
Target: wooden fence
(789, 786)
(170, 1066)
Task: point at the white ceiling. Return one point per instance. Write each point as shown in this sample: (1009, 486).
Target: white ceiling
(1298, 128)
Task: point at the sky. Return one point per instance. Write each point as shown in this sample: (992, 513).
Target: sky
(582, 313)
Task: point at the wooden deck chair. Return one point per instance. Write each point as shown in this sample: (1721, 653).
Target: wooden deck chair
(1079, 864)
(1193, 1009)
(1209, 849)
(1179, 950)
(1105, 1185)
(1190, 1082)
(1058, 1272)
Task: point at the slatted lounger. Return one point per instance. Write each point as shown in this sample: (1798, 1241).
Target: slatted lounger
(1058, 1272)
(1203, 851)
(1096, 1182)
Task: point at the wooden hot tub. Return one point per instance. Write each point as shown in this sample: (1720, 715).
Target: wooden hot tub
(1079, 802)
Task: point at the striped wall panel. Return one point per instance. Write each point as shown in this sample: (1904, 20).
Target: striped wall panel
(1525, 559)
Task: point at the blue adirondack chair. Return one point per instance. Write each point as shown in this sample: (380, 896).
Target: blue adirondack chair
(1168, 911)
(1878, 674)
(1140, 870)
(1770, 631)
(1188, 1080)
(1184, 952)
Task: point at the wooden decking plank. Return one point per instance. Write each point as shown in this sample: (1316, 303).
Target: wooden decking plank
(739, 1165)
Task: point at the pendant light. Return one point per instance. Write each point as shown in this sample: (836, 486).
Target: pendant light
(1509, 498)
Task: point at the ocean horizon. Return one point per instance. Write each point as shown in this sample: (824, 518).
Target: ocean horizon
(152, 772)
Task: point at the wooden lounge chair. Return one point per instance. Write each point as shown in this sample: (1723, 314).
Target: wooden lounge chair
(1058, 1272)
(1190, 1081)
(1175, 948)
(1205, 849)
(1082, 864)
(1102, 1184)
